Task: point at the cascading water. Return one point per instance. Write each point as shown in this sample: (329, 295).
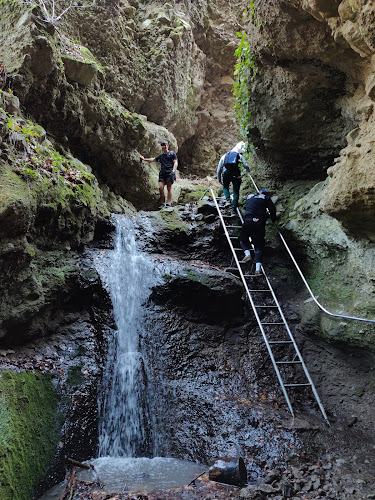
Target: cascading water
(130, 435)
(127, 424)
(131, 439)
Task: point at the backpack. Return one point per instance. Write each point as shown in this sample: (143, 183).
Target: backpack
(231, 161)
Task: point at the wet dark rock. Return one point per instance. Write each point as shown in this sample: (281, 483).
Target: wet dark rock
(73, 355)
(300, 425)
(207, 208)
(272, 476)
(287, 490)
(229, 471)
(203, 295)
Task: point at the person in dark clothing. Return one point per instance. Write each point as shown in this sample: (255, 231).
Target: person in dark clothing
(254, 226)
(167, 175)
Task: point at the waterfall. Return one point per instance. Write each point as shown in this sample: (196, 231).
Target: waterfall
(127, 422)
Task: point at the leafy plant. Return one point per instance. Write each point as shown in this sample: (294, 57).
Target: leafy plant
(30, 173)
(244, 72)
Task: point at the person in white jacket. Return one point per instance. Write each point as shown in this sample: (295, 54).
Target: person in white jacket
(226, 176)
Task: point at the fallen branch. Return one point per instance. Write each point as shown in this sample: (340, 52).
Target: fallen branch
(193, 481)
(69, 487)
(49, 8)
(80, 464)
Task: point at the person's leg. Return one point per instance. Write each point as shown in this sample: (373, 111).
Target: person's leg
(161, 191)
(169, 192)
(226, 181)
(244, 241)
(258, 242)
(236, 181)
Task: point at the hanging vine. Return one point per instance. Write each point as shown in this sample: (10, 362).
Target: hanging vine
(244, 72)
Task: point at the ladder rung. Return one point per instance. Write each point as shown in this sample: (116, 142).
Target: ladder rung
(266, 306)
(234, 221)
(280, 342)
(288, 362)
(297, 385)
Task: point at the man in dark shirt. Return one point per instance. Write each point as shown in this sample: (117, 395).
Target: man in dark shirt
(167, 175)
(254, 226)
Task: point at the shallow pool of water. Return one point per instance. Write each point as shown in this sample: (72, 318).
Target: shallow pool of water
(141, 474)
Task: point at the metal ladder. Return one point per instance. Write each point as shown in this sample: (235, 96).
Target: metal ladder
(279, 340)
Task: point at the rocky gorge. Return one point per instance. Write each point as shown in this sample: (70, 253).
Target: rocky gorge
(82, 97)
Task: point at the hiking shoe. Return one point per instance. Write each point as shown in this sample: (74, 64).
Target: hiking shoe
(168, 204)
(227, 203)
(247, 258)
(258, 273)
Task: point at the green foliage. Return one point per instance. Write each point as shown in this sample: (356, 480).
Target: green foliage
(75, 375)
(30, 173)
(47, 166)
(27, 437)
(29, 130)
(244, 72)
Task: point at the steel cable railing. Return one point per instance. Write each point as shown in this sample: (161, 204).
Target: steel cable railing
(321, 307)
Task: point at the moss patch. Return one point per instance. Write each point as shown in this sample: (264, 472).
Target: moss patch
(27, 435)
(75, 375)
(173, 221)
(191, 194)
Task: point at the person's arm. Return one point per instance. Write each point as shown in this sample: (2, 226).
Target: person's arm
(272, 209)
(147, 159)
(244, 162)
(175, 165)
(219, 171)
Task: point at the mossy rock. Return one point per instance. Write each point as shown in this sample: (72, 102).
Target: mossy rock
(78, 71)
(28, 438)
(172, 221)
(190, 194)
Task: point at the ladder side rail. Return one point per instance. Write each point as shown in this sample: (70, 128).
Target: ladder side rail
(276, 368)
(321, 307)
(304, 367)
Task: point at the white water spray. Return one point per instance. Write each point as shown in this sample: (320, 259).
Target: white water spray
(127, 421)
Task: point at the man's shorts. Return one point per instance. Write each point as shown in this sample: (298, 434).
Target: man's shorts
(167, 177)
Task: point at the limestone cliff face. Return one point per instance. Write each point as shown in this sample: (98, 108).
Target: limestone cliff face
(81, 99)
(312, 99)
(311, 103)
(115, 79)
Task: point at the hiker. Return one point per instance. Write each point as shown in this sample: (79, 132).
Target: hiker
(228, 171)
(167, 175)
(254, 226)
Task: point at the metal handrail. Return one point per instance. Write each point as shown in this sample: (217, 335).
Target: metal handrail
(335, 315)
